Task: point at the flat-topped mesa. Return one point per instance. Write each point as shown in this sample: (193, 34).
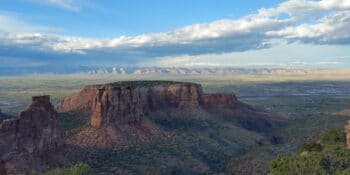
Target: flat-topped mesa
(34, 132)
(127, 102)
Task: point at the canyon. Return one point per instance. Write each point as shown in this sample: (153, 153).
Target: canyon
(123, 111)
(127, 115)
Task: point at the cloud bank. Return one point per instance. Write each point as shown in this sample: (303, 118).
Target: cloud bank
(324, 22)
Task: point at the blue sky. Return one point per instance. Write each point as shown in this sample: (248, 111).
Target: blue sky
(107, 18)
(183, 33)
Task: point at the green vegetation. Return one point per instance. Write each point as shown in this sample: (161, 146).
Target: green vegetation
(311, 147)
(330, 156)
(71, 122)
(333, 136)
(78, 169)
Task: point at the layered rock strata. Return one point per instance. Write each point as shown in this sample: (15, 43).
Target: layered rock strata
(347, 131)
(34, 132)
(128, 102)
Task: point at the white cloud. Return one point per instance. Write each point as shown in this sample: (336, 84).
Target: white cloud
(304, 21)
(284, 55)
(327, 62)
(332, 29)
(306, 8)
(218, 36)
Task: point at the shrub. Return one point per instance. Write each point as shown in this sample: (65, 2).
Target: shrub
(329, 157)
(78, 169)
(311, 147)
(333, 136)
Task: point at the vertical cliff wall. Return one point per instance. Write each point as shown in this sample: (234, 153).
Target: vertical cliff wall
(34, 132)
(219, 100)
(347, 130)
(127, 102)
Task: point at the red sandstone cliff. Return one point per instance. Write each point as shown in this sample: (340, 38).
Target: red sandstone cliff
(34, 133)
(120, 117)
(225, 100)
(127, 102)
(347, 131)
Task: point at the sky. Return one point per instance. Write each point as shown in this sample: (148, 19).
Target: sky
(175, 33)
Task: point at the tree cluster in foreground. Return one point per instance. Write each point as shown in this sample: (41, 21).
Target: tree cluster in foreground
(329, 156)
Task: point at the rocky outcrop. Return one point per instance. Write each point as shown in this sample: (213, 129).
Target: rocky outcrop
(35, 132)
(347, 131)
(220, 100)
(80, 102)
(128, 102)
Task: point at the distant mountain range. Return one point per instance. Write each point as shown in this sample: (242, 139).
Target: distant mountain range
(118, 70)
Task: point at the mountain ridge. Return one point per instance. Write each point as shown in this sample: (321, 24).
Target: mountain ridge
(174, 71)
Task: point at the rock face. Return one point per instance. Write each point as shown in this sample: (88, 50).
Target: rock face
(347, 130)
(35, 131)
(219, 100)
(128, 102)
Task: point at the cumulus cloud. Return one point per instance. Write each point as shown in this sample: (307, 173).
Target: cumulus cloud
(332, 29)
(306, 21)
(305, 8)
(283, 55)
